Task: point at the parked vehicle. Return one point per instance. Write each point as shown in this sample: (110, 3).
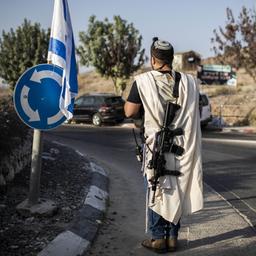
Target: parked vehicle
(99, 108)
(205, 110)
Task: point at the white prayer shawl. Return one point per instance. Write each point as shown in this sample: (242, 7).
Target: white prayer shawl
(183, 195)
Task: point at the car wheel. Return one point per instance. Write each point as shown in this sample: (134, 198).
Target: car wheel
(204, 125)
(96, 120)
(70, 121)
(119, 121)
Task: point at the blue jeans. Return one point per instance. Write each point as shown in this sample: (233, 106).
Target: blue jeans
(161, 228)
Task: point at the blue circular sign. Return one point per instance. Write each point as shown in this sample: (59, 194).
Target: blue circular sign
(36, 97)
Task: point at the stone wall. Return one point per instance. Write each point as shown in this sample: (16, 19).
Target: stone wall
(233, 114)
(14, 162)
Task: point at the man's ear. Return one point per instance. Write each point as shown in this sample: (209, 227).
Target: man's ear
(153, 60)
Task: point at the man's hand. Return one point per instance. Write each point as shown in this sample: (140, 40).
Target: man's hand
(131, 109)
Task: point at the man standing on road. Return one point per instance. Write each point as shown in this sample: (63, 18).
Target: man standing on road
(173, 196)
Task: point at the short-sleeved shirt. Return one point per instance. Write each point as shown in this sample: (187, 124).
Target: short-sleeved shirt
(134, 95)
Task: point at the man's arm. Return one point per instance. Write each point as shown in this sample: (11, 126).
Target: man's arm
(131, 109)
(133, 103)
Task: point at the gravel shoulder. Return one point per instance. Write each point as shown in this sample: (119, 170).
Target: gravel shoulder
(65, 179)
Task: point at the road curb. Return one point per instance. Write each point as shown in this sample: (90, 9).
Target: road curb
(83, 229)
(246, 130)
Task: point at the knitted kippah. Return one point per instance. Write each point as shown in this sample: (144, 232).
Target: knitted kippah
(162, 45)
(162, 50)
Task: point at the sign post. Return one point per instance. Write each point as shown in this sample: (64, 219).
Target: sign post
(36, 100)
(44, 95)
(36, 162)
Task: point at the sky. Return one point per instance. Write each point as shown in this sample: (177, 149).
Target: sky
(187, 25)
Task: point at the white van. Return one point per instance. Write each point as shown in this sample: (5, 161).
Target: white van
(205, 110)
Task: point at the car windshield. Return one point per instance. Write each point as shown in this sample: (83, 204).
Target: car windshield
(204, 100)
(114, 100)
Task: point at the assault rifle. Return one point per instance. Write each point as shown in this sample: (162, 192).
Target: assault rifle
(164, 143)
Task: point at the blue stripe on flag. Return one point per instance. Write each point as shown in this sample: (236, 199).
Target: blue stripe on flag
(57, 47)
(63, 90)
(73, 71)
(64, 9)
(71, 106)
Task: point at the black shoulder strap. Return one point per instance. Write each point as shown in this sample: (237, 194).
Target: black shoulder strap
(175, 92)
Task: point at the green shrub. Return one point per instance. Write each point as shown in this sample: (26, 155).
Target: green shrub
(12, 130)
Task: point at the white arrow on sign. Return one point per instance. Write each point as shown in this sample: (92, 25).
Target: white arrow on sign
(33, 115)
(38, 75)
(55, 118)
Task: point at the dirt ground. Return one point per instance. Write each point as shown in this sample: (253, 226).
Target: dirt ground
(63, 180)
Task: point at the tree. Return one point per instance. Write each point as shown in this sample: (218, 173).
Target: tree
(22, 49)
(248, 32)
(236, 43)
(114, 49)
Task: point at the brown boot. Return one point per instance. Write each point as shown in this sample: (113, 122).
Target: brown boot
(157, 245)
(172, 244)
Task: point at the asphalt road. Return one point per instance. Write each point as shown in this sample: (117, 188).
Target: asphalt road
(114, 150)
(229, 166)
(229, 162)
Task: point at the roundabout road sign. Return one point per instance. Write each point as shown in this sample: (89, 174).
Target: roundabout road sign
(36, 97)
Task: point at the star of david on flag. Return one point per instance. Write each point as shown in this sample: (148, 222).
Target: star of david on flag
(61, 52)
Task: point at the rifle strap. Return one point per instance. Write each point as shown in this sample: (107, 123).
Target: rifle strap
(175, 92)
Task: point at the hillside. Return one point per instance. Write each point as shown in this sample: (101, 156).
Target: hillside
(234, 104)
(93, 82)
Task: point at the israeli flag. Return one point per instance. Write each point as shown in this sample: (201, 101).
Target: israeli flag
(61, 52)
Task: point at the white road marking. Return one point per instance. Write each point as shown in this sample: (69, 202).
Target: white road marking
(249, 142)
(238, 197)
(223, 198)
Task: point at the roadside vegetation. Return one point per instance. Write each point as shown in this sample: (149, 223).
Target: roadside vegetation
(12, 131)
(235, 44)
(21, 49)
(113, 49)
(236, 103)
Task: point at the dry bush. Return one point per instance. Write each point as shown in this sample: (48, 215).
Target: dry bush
(252, 117)
(12, 130)
(4, 92)
(222, 90)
